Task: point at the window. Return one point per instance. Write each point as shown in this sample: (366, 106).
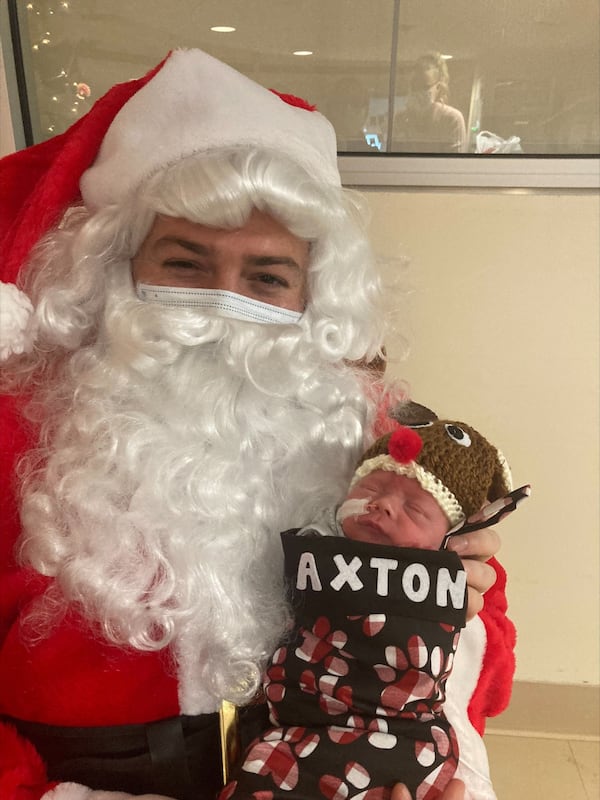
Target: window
(411, 85)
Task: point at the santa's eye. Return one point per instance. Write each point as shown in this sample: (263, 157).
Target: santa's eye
(458, 435)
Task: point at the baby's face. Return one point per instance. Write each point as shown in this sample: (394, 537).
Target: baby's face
(394, 510)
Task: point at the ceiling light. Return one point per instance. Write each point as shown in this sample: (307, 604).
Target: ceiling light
(222, 29)
(303, 52)
(446, 57)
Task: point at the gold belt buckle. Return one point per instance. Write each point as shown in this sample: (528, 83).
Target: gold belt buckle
(230, 740)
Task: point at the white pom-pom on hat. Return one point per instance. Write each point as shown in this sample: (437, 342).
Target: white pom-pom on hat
(17, 323)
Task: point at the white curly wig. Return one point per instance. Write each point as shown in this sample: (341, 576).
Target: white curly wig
(174, 447)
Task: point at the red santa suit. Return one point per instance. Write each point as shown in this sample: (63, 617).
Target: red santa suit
(75, 678)
(71, 676)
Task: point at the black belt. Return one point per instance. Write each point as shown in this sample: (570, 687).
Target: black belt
(179, 757)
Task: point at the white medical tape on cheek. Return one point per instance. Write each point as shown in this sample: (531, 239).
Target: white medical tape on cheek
(225, 304)
(352, 508)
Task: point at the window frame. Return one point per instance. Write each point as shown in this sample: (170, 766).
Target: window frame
(377, 170)
(466, 170)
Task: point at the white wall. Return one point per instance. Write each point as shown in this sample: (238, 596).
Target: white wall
(504, 329)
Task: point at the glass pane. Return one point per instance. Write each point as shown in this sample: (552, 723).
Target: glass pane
(77, 49)
(519, 69)
(526, 72)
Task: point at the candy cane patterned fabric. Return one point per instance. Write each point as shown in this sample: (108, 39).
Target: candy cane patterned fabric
(355, 692)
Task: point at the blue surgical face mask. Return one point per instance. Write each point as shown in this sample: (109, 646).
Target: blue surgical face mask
(220, 302)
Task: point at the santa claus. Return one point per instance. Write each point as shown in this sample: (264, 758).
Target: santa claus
(195, 291)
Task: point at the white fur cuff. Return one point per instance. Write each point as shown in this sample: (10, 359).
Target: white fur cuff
(75, 791)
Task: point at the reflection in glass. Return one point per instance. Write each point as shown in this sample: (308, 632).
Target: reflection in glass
(523, 70)
(424, 121)
(59, 95)
(526, 71)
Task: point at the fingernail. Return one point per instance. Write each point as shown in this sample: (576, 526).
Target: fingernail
(457, 544)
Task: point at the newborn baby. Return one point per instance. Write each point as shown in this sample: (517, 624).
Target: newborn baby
(356, 691)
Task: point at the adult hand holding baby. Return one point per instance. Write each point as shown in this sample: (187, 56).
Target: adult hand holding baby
(474, 550)
(455, 790)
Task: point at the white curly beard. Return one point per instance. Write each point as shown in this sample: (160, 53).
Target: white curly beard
(17, 322)
(190, 443)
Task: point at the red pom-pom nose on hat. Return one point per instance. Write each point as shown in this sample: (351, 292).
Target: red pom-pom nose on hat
(404, 445)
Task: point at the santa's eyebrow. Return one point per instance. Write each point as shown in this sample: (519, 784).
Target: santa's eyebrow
(256, 261)
(274, 261)
(194, 247)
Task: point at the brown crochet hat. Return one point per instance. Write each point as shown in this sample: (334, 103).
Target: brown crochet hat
(451, 461)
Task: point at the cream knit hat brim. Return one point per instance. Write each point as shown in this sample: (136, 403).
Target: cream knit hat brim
(443, 496)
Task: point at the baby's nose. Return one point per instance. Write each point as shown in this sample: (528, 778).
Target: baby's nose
(383, 503)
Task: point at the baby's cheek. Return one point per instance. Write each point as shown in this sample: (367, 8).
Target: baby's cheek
(353, 530)
(352, 508)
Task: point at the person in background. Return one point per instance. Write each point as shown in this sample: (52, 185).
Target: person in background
(427, 124)
(189, 297)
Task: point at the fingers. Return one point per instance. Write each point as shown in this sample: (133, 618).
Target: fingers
(454, 791)
(480, 577)
(474, 603)
(400, 792)
(474, 550)
(482, 544)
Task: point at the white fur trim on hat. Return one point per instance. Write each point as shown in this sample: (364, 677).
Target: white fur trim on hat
(443, 496)
(17, 323)
(196, 104)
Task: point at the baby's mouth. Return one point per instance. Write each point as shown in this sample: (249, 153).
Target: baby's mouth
(369, 521)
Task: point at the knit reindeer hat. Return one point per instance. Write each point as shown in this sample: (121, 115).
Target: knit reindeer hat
(450, 460)
(190, 103)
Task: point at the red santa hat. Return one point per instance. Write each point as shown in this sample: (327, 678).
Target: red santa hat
(190, 103)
